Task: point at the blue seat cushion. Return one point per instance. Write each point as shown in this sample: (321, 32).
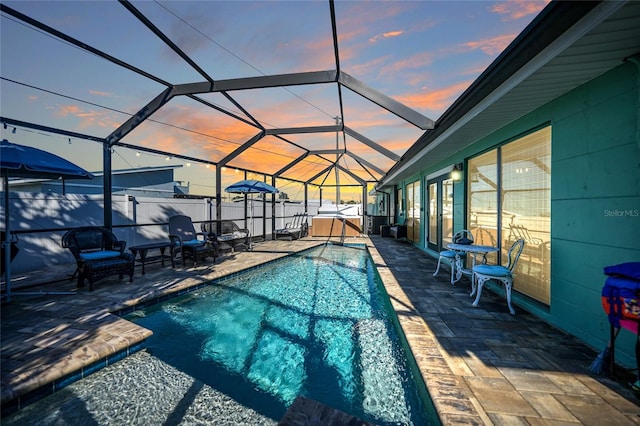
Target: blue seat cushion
(448, 253)
(451, 253)
(99, 255)
(493, 270)
(194, 242)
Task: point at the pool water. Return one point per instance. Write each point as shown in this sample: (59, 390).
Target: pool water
(316, 324)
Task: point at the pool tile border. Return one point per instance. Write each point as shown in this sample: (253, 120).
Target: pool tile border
(123, 312)
(43, 391)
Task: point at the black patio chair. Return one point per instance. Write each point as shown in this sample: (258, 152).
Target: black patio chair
(98, 254)
(189, 243)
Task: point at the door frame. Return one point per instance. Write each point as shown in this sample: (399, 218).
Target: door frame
(438, 179)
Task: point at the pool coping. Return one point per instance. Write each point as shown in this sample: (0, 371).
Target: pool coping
(449, 397)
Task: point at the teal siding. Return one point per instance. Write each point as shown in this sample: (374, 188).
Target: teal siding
(459, 203)
(595, 198)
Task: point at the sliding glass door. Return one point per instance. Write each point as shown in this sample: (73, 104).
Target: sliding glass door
(440, 212)
(509, 193)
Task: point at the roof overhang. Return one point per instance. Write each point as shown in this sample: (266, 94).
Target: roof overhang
(568, 44)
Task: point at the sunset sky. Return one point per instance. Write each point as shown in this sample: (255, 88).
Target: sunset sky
(423, 54)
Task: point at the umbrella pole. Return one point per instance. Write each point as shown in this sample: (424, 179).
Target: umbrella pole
(7, 238)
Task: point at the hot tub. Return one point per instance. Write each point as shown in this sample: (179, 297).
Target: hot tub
(330, 225)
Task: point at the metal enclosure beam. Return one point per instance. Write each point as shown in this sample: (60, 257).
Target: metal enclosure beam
(47, 29)
(47, 129)
(107, 213)
(327, 151)
(327, 169)
(155, 30)
(261, 82)
(241, 149)
(140, 116)
(300, 130)
(371, 144)
(291, 164)
(386, 102)
(365, 163)
(350, 173)
(253, 123)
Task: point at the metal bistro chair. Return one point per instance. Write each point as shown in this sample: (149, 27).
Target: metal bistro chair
(482, 273)
(461, 237)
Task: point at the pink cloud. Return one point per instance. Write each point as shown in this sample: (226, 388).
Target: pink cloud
(368, 67)
(516, 9)
(360, 14)
(100, 93)
(491, 46)
(438, 100)
(417, 61)
(383, 36)
(269, 154)
(88, 118)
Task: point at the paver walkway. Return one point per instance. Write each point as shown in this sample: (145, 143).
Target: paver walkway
(481, 365)
(485, 366)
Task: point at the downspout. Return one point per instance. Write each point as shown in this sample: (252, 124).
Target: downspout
(635, 59)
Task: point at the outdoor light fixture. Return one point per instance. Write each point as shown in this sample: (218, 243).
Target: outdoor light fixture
(456, 172)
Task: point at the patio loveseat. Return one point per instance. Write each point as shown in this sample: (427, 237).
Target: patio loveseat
(400, 231)
(98, 254)
(229, 235)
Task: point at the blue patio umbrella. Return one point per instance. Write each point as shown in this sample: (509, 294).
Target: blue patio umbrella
(27, 162)
(251, 186)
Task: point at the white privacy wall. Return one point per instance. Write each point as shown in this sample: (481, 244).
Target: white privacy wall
(44, 214)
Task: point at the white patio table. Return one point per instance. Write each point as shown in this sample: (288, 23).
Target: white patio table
(473, 249)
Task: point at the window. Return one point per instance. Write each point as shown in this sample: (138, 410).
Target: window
(509, 197)
(399, 206)
(413, 211)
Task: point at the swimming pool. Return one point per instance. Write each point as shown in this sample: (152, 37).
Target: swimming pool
(348, 340)
(316, 324)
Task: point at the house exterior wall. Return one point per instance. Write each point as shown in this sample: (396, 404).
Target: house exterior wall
(595, 198)
(595, 173)
(147, 183)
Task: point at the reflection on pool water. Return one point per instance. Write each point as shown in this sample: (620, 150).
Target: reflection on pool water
(239, 351)
(316, 324)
